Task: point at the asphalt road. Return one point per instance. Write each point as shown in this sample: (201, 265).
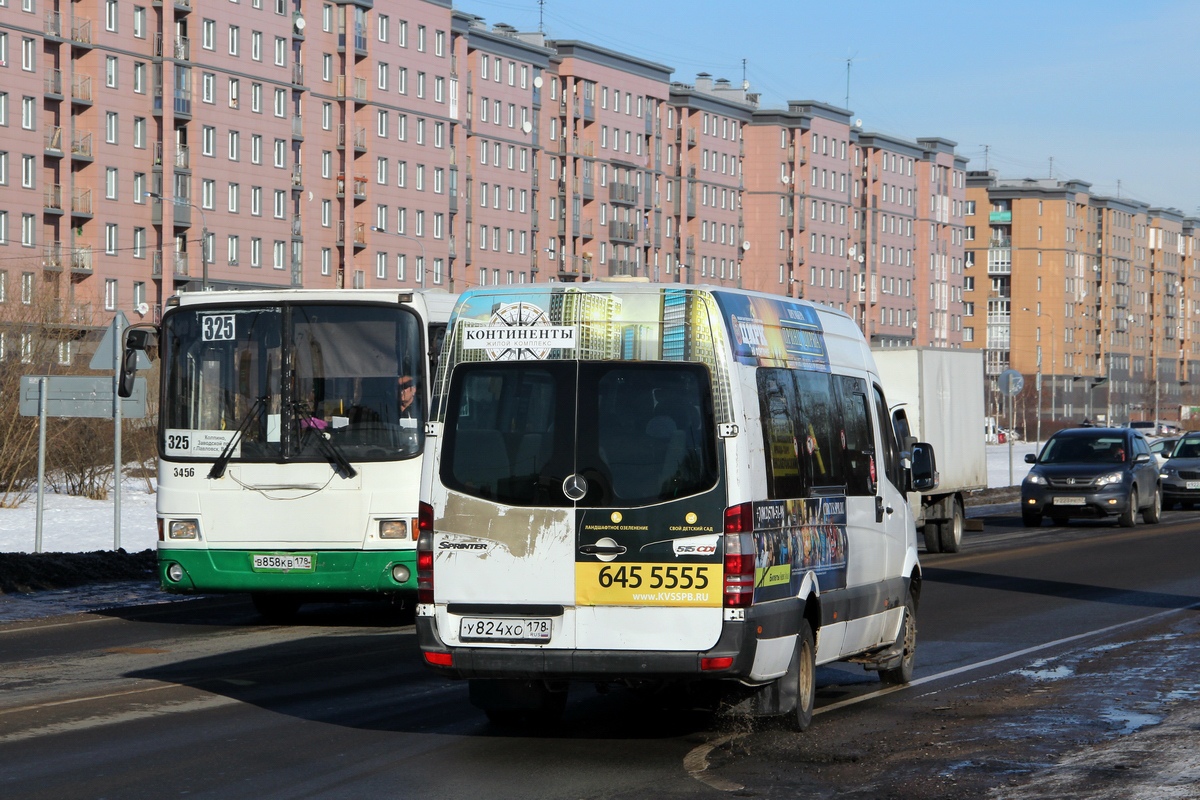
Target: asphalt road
(1035, 648)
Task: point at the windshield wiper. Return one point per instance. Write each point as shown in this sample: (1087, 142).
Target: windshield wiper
(218, 467)
(326, 444)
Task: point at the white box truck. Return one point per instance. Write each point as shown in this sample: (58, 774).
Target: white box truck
(937, 396)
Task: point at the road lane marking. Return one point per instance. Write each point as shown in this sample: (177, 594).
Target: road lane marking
(74, 726)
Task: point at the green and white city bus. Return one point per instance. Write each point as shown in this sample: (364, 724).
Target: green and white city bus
(290, 439)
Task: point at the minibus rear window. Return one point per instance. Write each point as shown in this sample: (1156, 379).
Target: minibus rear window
(637, 432)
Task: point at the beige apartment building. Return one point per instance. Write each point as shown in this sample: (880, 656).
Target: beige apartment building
(154, 147)
(1090, 293)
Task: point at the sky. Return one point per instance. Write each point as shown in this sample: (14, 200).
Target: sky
(1100, 91)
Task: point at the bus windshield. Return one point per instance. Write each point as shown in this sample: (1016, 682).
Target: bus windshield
(289, 376)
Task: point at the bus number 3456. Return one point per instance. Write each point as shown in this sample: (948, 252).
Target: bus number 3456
(660, 577)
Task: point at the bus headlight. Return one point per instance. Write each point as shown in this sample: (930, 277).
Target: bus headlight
(401, 573)
(183, 529)
(393, 529)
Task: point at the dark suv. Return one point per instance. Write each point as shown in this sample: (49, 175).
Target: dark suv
(1092, 472)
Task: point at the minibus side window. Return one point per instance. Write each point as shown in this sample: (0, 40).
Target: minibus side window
(860, 444)
(891, 451)
(778, 412)
(820, 444)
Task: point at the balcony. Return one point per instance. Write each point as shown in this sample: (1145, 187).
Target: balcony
(623, 193)
(624, 232)
(999, 261)
(297, 176)
(183, 160)
(297, 227)
(81, 33)
(360, 138)
(53, 202)
(179, 266)
(183, 6)
(52, 257)
(183, 102)
(1000, 218)
(298, 74)
(360, 234)
(81, 203)
(360, 188)
(53, 84)
(81, 260)
(182, 50)
(298, 127)
(53, 26)
(621, 266)
(156, 264)
(54, 142)
(81, 147)
(81, 90)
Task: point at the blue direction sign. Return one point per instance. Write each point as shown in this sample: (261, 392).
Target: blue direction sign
(80, 396)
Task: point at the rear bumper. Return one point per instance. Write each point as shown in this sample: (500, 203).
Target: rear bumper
(738, 641)
(337, 571)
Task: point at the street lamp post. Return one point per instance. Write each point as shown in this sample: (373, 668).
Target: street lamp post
(420, 244)
(1053, 382)
(203, 234)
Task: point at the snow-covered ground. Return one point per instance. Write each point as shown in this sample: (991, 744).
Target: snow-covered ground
(78, 525)
(997, 463)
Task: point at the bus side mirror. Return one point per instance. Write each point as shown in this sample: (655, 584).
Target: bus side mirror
(924, 474)
(138, 340)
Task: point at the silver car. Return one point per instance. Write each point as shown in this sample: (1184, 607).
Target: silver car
(1181, 473)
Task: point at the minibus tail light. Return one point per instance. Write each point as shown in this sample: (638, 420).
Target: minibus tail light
(425, 554)
(739, 556)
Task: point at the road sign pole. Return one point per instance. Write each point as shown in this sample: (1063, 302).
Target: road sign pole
(117, 331)
(41, 491)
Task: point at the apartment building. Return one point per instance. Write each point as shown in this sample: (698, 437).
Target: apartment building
(1089, 292)
(176, 146)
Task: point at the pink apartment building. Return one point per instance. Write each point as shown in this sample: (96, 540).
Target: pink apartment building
(156, 147)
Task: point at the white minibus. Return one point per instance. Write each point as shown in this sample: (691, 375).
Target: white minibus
(645, 483)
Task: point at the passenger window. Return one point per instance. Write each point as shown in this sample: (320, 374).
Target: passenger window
(801, 420)
(820, 440)
(860, 440)
(891, 452)
(777, 406)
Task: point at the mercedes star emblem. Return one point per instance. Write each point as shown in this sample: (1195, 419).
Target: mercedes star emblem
(575, 487)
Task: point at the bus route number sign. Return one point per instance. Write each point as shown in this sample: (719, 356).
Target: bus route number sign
(217, 328)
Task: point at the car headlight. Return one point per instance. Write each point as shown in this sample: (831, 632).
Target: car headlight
(1035, 478)
(1112, 477)
(1167, 472)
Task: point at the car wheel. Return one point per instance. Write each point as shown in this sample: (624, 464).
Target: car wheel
(1128, 517)
(1153, 513)
(902, 673)
(1031, 519)
(806, 677)
(933, 538)
(950, 532)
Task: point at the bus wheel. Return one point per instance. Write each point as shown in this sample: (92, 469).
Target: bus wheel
(277, 609)
(950, 532)
(933, 538)
(806, 677)
(902, 673)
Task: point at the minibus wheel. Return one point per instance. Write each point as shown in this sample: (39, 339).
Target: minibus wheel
(806, 677)
(902, 673)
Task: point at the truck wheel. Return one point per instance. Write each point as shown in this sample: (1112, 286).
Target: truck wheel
(1031, 519)
(806, 677)
(1129, 517)
(950, 532)
(902, 673)
(276, 608)
(1153, 512)
(933, 538)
